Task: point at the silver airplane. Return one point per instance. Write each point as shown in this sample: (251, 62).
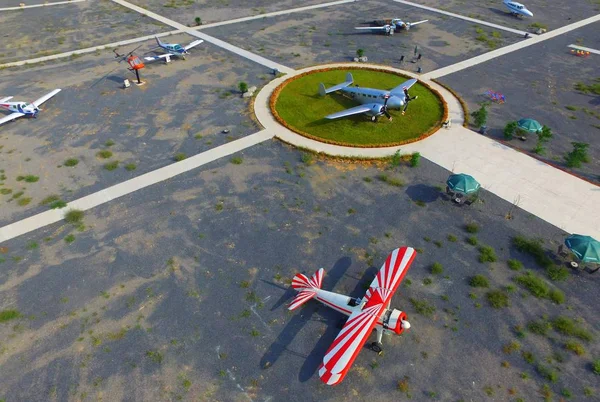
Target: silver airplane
(373, 102)
(517, 9)
(389, 26)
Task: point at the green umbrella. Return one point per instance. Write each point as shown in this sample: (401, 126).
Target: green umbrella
(586, 248)
(529, 125)
(463, 183)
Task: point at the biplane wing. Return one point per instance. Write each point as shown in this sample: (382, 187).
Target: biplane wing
(346, 346)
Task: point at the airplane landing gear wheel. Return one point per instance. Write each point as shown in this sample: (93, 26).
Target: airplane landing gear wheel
(377, 347)
(373, 119)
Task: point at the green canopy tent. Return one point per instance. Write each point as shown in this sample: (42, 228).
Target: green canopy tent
(463, 183)
(585, 248)
(529, 125)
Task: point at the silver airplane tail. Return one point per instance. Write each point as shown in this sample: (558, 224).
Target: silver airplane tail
(158, 42)
(324, 91)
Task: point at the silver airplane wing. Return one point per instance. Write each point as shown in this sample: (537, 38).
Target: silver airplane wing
(44, 98)
(10, 117)
(418, 22)
(6, 99)
(194, 43)
(383, 28)
(352, 111)
(405, 84)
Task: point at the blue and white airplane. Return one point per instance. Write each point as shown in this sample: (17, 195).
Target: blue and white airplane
(374, 102)
(173, 50)
(517, 9)
(389, 26)
(20, 109)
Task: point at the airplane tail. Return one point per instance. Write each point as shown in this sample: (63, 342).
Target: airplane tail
(306, 288)
(158, 42)
(324, 91)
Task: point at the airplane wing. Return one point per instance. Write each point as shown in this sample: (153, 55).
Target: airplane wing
(346, 346)
(418, 22)
(407, 84)
(383, 28)
(10, 117)
(353, 110)
(194, 43)
(158, 57)
(44, 98)
(6, 99)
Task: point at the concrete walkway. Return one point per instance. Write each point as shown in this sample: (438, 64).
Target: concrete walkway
(551, 194)
(508, 49)
(217, 42)
(56, 3)
(127, 187)
(462, 17)
(586, 49)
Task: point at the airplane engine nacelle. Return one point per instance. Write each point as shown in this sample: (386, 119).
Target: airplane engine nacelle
(396, 322)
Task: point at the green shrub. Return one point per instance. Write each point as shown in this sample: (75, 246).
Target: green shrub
(236, 160)
(511, 347)
(71, 162)
(243, 87)
(575, 347)
(104, 154)
(451, 238)
(498, 298)
(557, 296)
(390, 180)
(540, 327)
(472, 228)
(479, 281)
(415, 159)
(480, 115)
(578, 155)
(509, 130)
(360, 52)
(130, 167)
(437, 268)
(423, 307)
(179, 157)
(70, 238)
(472, 240)
(557, 272)
(7, 315)
(31, 178)
(566, 326)
(528, 356)
(487, 254)
(110, 166)
(49, 199)
(58, 204)
(596, 366)
(547, 373)
(534, 284)
(534, 248)
(74, 216)
(515, 265)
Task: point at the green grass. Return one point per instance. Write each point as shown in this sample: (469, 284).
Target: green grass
(7, 315)
(300, 105)
(58, 204)
(534, 284)
(566, 326)
(179, 157)
(575, 347)
(109, 143)
(498, 298)
(29, 178)
(390, 180)
(24, 201)
(487, 254)
(472, 240)
(515, 265)
(130, 166)
(423, 307)
(236, 160)
(437, 268)
(472, 228)
(534, 248)
(70, 238)
(596, 366)
(74, 216)
(50, 199)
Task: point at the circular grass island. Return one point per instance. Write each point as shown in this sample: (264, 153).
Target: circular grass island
(297, 105)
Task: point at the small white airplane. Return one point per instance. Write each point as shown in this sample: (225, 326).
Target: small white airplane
(517, 9)
(20, 109)
(173, 50)
(389, 26)
(371, 312)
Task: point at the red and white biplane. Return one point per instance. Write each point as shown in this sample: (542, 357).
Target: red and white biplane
(371, 312)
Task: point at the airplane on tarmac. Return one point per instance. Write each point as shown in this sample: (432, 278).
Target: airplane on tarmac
(389, 26)
(517, 9)
(374, 102)
(173, 50)
(371, 312)
(20, 109)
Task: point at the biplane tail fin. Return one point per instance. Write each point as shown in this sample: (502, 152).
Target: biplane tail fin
(306, 287)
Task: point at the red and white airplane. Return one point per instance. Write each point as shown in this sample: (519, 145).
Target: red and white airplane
(372, 312)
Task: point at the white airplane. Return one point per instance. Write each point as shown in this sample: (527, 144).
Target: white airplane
(371, 312)
(517, 9)
(20, 109)
(173, 50)
(389, 26)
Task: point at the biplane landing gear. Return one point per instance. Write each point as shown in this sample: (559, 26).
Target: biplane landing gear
(377, 347)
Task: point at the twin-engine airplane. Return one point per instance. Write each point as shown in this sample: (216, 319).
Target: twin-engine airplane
(389, 26)
(20, 109)
(372, 312)
(173, 50)
(374, 102)
(517, 9)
